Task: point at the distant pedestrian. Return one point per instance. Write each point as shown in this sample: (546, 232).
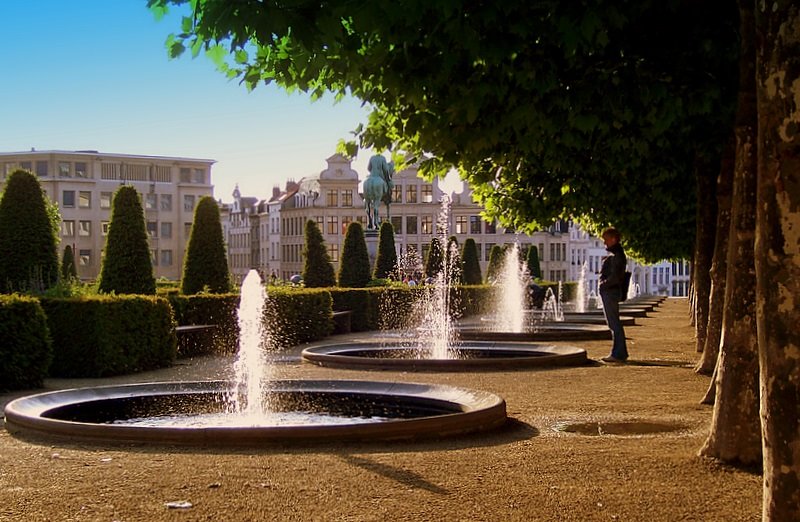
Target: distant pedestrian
(612, 275)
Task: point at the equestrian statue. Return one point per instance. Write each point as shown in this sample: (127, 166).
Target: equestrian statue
(378, 188)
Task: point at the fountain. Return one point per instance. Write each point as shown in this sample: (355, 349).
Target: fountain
(438, 345)
(255, 409)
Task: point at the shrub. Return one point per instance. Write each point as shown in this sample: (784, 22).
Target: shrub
(472, 265)
(453, 260)
(294, 316)
(205, 265)
(25, 347)
(386, 259)
(114, 335)
(127, 268)
(496, 255)
(317, 269)
(354, 263)
(532, 261)
(433, 265)
(217, 309)
(68, 269)
(28, 252)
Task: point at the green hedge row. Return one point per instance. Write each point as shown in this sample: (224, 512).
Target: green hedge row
(109, 335)
(216, 309)
(295, 316)
(25, 347)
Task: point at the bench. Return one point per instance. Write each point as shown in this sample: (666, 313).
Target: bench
(342, 322)
(195, 339)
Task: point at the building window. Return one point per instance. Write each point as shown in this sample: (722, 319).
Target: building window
(68, 228)
(346, 220)
(362, 219)
(104, 227)
(333, 251)
(80, 170)
(397, 194)
(166, 258)
(85, 199)
(411, 193)
(199, 176)
(333, 225)
(188, 203)
(154, 256)
(397, 224)
(85, 228)
(150, 201)
(166, 229)
(491, 227)
(26, 165)
(427, 225)
(85, 257)
(166, 202)
(552, 252)
(461, 224)
(411, 224)
(426, 249)
(105, 200)
(41, 168)
(474, 224)
(186, 175)
(64, 169)
(347, 198)
(332, 198)
(187, 230)
(564, 254)
(152, 228)
(427, 193)
(68, 198)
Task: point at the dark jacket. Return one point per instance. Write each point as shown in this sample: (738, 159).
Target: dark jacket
(613, 269)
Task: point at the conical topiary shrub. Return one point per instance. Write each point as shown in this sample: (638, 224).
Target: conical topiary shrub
(452, 257)
(28, 243)
(433, 265)
(496, 255)
(317, 269)
(386, 260)
(354, 264)
(471, 264)
(205, 266)
(127, 268)
(69, 271)
(532, 261)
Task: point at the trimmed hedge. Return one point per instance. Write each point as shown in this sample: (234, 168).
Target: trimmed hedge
(100, 336)
(295, 316)
(218, 309)
(25, 347)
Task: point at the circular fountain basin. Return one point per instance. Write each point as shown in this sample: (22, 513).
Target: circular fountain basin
(535, 317)
(555, 331)
(192, 413)
(467, 356)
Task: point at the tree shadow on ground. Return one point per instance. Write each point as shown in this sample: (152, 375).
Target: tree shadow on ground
(402, 476)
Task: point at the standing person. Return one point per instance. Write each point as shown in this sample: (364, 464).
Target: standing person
(612, 275)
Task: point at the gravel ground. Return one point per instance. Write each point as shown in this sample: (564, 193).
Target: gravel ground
(529, 470)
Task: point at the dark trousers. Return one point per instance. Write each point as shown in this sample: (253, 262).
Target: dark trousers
(610, 299)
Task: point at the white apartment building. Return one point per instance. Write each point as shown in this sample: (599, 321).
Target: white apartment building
(83, 183)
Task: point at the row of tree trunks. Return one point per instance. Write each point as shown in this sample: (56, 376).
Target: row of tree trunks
(777, 252)
(735, 434)
(706, 177)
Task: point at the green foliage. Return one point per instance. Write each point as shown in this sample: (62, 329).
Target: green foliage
(362, 305)
(452, 258)
(496, 256)
(548, 109)
(68, 269)
(474, 299)
(205, 265)
(294, 316)
(317, 269)
(435, 261)
(127, 268)
(354, 263)
(471, 263)
(532, 262)
(28, 251)
(217, 309)
(112, 335)
(386, 260)
(25, 347)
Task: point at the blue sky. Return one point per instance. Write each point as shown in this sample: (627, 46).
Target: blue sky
(94, 74)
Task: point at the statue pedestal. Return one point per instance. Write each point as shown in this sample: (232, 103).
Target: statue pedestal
(371, 237)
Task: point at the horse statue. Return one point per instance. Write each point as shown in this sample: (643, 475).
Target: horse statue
(377, 188)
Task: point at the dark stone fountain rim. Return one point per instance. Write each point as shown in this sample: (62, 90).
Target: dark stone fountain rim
(555, 331)
(527, 355)
(471, 411)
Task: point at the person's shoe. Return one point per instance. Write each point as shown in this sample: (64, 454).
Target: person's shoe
(612, 359)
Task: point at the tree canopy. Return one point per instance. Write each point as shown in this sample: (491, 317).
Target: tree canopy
(205, 265)
(548, 109)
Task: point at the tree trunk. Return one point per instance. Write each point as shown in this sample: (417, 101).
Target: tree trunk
(711, 392)
(704, 245)
(719, 262)
(735, 425)
(778, 252)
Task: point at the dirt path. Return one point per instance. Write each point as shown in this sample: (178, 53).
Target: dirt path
(528, 471)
